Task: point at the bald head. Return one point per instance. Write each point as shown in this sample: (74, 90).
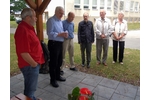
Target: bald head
(59, 11)
(71, 16)
(102, 13)
(85, 16)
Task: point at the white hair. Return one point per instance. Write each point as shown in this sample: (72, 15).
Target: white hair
(121, 12)
(26, 12)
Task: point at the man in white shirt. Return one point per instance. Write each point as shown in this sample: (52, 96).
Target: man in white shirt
(102, 29)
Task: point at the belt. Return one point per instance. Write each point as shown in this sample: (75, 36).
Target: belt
(55, 41)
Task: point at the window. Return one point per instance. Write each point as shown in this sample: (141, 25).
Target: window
(102, 4)
(136, 7)
(121, 5)
(76, 3)
(109, 4)
(127, 5)
(131, 5)
(94, 4)
(86, 4)
(115, 6)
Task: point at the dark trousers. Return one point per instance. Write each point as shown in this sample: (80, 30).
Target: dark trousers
(88, 48)
(55, 49)
(121, 50)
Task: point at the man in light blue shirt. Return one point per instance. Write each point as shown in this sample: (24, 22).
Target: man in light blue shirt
(68, 43)
(56, 37)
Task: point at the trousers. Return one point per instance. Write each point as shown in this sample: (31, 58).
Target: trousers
(102, 44)
(68, 45)
(30, 75)
(55, 51)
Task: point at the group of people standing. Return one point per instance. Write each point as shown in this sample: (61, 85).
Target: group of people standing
(60, 40)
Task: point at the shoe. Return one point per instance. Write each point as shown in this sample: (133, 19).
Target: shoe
(74, 69)
(113, 62)
(104, 64)
(61, 79)
(121, 63)
(98, 63)
(61, 72)
(54, 84)
(82, 65)
(88, 66)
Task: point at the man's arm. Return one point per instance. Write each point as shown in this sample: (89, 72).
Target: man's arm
(92, 33)
(79, 40)
(98, 32)
(29, 59)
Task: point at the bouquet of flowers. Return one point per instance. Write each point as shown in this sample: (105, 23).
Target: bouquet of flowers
(81, 94)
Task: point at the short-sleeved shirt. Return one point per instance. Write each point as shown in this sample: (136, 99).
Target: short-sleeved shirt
(27, 41)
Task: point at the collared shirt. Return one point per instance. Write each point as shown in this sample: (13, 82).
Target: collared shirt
(54, 27)
(98, 27)
(120, 28)
(69, 26)
(27, 41)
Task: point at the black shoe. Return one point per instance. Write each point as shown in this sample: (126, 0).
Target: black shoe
(82, 65)
(61, 79)
(88, 65)
(54, 84)
(74, 69)
(61, 72)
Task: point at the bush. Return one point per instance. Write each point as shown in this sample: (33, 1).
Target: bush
(12, 18)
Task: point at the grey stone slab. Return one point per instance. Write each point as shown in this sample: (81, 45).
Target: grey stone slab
(109, 83)
(67, 72)
(63, 99)
(44, 76)
(96, 97)
(42, 84)
(83, 85)
(14, 81)
(39, 92)
(79, 75)
(138, 92)
(49, 96)
(18, 88)
(20, 76)
(12, 94)
(127, 90)
(104, 92)
(92, 80)
(62, 90)
(120, 97)
(41, 78)
(71, 81)
(137, 98)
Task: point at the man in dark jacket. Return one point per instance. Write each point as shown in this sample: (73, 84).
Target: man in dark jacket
(85, 38)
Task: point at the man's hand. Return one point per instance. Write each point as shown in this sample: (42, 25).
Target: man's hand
(63, 34)
(34, 64)
(102, 36)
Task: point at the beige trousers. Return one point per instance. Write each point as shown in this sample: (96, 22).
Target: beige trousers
(68, 45)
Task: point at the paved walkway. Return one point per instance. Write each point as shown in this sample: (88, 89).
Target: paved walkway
(105, 89)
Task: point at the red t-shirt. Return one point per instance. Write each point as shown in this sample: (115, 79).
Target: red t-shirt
(27, 41)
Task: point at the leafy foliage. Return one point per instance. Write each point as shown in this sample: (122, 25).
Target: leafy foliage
(17, 6)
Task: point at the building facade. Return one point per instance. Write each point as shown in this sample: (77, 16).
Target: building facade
(131, 9)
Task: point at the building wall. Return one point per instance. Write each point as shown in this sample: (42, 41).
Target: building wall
(130, 16)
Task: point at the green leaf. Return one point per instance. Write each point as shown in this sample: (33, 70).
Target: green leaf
(76, 91)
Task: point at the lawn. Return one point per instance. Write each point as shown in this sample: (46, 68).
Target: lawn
(131, 26)
(129, 72)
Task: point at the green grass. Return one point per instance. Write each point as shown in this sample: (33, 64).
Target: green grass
(129, 72)
(131, 26)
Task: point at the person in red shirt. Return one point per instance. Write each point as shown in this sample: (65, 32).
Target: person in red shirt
(29, 51)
